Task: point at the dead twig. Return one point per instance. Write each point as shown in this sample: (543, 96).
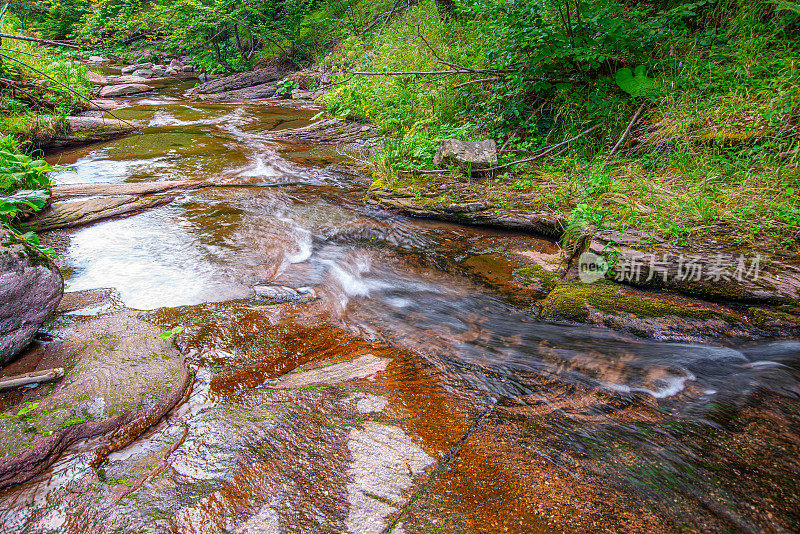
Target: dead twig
(626, 132)
(41, 41)
(432, 72)
(482, 80)
(389, 16)
(546, 151)
(31, 378)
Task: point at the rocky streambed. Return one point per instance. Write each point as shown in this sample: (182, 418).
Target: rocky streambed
(250, 347)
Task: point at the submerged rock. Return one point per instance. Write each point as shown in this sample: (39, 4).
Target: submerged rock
(124, 89)
(30, 290)
(656, 315)
(130, 69)
(467, 156)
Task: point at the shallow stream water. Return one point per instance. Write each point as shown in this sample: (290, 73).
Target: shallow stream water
(702, 436)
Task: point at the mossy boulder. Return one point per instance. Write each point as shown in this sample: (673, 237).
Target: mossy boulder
(643, 313)
(521, 281)
(784, 319)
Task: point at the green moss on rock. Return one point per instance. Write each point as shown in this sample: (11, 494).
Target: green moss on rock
(536, 275)
(765, 317)
(575, 301)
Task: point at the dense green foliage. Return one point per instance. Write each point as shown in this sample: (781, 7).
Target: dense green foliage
(717, 81)
(24, 185)
(38, 85)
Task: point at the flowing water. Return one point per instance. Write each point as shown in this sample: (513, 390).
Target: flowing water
(701, 437)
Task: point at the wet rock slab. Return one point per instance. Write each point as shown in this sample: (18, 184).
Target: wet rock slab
(124, 89)
(81, 204)
(121, 378)
(241, 80)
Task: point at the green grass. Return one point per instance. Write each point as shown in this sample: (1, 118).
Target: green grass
(716, 154)
(40, 101)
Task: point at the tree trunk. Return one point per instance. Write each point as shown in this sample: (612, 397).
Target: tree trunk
(446, 8)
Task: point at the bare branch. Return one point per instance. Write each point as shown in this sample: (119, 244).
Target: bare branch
(626, 132)
(546, 151)
(35, 40)
(493, 79)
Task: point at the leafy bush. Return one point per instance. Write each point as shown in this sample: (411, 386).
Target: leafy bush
(24, 185)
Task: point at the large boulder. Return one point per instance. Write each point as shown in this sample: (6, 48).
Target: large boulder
(30, 289)
(130, 69)
(124, 90)
(264, 90)
(241, 80)
(467, 156)
(94, 78)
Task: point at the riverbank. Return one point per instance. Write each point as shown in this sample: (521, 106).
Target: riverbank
(375, 372)
(699, 286)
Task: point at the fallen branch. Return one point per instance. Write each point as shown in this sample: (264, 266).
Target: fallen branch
(626, 132)
(515, 132)
(31, 378)
(425, 171)
(482, 80)
(14, 87)
(546, 151)
(389, 16)
(35, 40)
(432, 72)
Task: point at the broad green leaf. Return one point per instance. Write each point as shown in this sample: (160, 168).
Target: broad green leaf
(635, 83)
(35, 198)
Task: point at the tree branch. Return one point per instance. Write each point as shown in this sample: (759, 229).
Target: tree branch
(70, 89)
(545, 152)
(626, 132)
(35, 40)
